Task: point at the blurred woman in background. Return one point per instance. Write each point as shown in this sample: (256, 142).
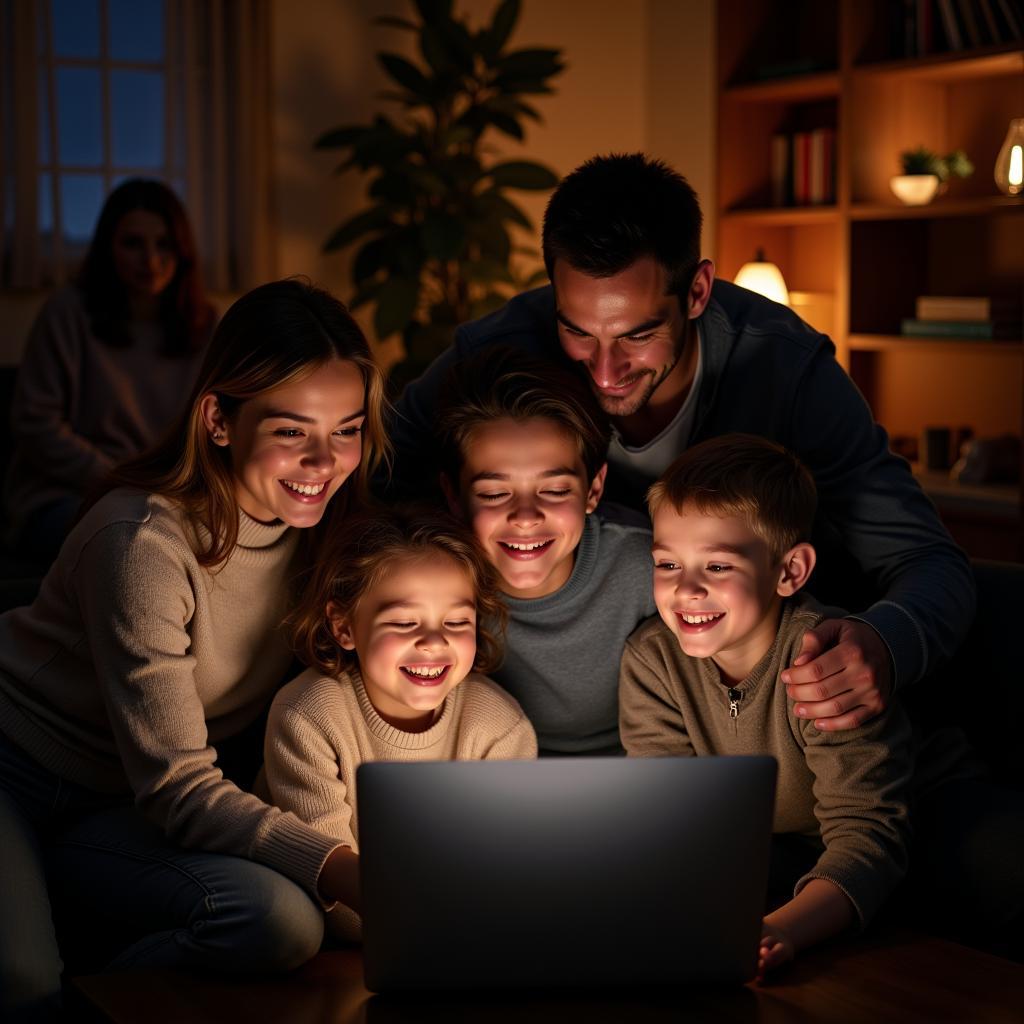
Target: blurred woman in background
(109, 364)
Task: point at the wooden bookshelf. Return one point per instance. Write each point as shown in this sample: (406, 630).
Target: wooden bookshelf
(873, 255)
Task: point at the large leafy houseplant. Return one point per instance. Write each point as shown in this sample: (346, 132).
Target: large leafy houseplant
(434, 245)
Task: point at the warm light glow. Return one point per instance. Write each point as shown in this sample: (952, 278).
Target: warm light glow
(1009, 171)
(764, 278)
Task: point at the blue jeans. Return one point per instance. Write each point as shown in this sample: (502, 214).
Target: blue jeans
(125, 894)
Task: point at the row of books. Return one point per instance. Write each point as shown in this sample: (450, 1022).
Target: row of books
(803, 168)
(963, 316)
(921, 27)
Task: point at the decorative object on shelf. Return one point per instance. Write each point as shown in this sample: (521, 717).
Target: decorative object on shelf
(1009, 171)
(986, 330)
(914, 189)
(434, 245)
(989, 460)
(965, 316)
(764, 278)
(931, 171)
(936, 444)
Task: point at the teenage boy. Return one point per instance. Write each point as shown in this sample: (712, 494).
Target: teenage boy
(731, 519)
(522, 448)
(676, 357)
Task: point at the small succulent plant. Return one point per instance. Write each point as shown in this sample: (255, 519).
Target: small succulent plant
(925, 161)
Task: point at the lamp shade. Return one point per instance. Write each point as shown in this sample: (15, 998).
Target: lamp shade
(764, 278)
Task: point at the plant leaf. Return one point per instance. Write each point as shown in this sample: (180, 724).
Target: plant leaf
(340, 137)
(406, 74)
(363, 295)
(493, 204)
(485, 271)
(371, 258)
(443, 235)
(493, 38)
(513, 84)
(373, 219)
(506, 123)
(396, 305)
(491, 236)
(393, 21)
(433, 11)
(524, 174)
(395, 186)
(534, 63)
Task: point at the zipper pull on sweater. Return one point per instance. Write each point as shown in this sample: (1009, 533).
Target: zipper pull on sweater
(735, 696)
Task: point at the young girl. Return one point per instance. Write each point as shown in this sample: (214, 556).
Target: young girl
(391, 625)
(153, 645)
(109, 363)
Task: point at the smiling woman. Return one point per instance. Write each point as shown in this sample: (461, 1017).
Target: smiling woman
(155, 642)
(109, 363)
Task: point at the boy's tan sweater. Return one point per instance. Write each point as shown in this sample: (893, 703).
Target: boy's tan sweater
(322, 728)
(134, 661)
(850, 787)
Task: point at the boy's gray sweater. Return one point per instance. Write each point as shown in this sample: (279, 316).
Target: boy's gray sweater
(562, 651)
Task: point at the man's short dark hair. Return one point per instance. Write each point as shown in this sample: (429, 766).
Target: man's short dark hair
(614, 210)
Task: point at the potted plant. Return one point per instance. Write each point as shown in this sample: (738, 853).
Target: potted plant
(925, 174)
(434, 241)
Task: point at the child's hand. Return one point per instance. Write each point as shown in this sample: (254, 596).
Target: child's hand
(776, 949)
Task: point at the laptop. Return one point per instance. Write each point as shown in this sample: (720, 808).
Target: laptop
(567, 872)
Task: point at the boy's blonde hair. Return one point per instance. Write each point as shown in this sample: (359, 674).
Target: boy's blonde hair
(358, 556)
(747, 476)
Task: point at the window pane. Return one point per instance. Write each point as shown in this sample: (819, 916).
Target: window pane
(137, 29)
(44, 117)
(76, 28)
(81, 196)
(79, 117)
(137, 118)
(45, 204)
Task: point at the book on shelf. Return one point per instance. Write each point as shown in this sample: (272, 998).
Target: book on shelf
(802, 168)
(950, 25)
(923, 27)
(985, 331)
(975, 308)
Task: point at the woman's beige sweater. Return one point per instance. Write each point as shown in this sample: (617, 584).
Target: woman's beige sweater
(134, 661)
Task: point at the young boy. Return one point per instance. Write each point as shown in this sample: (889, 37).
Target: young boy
(730, 521)
(523, 447)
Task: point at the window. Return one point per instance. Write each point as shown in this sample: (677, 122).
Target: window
(94, 91)
(103, 112)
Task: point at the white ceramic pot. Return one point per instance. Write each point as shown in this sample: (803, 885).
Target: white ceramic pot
(914, 189)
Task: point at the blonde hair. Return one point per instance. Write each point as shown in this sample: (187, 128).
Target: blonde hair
(357, 557)
(747, 476)
(274, 335)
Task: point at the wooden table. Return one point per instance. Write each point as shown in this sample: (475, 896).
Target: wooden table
(894, 976)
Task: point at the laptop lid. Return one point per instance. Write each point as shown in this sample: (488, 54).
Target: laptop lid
(563, 872)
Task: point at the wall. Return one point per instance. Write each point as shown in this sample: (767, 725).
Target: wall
(640, 76)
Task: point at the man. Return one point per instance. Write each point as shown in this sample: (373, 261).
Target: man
(675, 357)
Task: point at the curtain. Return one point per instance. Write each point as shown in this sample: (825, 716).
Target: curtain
(20, 251)
(221, 61)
